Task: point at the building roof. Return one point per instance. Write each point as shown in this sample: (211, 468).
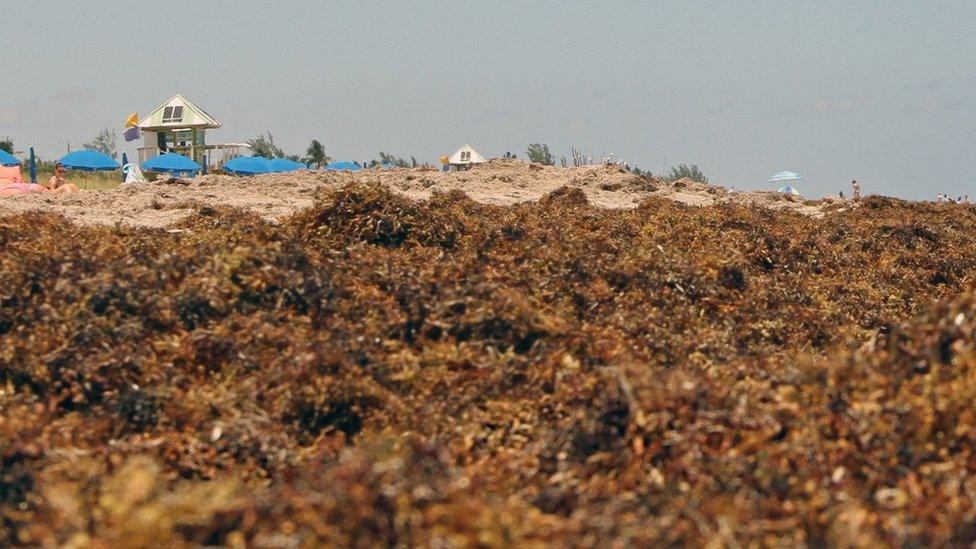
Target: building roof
(178, 113)
(472, 156)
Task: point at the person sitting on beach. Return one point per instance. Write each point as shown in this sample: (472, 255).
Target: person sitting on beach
(57, 184)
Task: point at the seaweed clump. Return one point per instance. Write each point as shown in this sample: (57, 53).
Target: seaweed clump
(377, 370)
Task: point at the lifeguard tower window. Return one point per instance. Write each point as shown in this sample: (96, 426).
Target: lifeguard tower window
(173, 114)
(465, 156)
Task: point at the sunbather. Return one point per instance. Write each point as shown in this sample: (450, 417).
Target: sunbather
(57, 184)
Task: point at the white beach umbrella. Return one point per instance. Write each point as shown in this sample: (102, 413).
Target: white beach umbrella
(782, 177)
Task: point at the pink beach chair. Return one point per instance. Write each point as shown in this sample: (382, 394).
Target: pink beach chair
(11, 183)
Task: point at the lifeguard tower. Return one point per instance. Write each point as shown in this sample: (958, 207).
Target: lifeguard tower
(179, 126)
(464, 158)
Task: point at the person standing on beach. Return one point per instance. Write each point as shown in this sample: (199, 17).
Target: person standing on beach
(856, 187)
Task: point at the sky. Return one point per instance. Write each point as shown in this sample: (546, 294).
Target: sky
(881, 91)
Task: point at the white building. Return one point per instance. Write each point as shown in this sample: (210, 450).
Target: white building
(179, 126)
(464, 158)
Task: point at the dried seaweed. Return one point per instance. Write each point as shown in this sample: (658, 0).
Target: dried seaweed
(382, 371)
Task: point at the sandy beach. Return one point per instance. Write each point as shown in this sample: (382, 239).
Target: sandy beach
(276, 196)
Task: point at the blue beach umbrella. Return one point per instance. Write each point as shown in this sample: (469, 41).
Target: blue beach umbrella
(33, 166)
(286, 165)
(350, 166)
(89, 161)
(172, 163)
(7, 159)
(248, 165)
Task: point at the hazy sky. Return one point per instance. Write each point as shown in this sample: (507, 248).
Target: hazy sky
(884, 91)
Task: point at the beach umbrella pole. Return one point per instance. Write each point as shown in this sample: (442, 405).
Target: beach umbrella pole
(33, 167)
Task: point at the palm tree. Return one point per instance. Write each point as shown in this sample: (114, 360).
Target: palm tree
(315, 154)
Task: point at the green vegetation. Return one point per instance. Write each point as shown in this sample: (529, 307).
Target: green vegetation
(539, 153)
(104, 142)
(385, 158)
(264, 145)
(84, 180)
(91, 180)
(315, 155)
(684, 171)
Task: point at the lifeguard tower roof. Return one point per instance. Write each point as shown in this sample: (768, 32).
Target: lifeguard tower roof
(178, 113)
(466, 155)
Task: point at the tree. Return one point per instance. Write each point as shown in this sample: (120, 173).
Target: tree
(539, 153)
(315, 155)
(7, 144)
(690, 172)
(104, 142)
(264, 145)
(392, 160)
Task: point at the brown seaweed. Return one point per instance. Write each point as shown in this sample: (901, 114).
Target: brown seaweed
(382, 371)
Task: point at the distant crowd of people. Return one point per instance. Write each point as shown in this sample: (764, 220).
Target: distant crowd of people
(942, 198)
(945, 198)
